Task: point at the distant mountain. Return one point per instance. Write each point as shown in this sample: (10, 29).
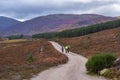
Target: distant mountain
(118, 17)
(55, 22)
(6, 22)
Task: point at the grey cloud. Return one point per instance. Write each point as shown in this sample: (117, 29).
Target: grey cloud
(26, 9)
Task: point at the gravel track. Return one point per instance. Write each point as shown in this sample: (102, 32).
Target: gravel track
(74, 69)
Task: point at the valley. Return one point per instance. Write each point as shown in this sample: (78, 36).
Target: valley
(25, 57)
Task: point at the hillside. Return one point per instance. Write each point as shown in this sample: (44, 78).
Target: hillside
(88, 45)
(79, 31)
(55, 22)
(118, 17)
(15, 62)
(6, 22)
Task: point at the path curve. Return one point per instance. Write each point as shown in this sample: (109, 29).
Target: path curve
(74, 69)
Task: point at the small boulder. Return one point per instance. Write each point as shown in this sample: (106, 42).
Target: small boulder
(102, 72)
(117, 63)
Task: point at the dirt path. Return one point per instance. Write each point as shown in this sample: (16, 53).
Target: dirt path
(73, 70)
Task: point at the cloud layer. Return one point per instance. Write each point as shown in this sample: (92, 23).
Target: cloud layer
(27, 9)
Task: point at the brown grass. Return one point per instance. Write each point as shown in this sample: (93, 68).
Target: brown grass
(88, 45)
(14, 58)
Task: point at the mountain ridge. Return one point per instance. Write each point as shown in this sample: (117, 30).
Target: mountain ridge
(55, 22)
(6, 22)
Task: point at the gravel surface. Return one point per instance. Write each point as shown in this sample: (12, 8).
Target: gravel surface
(74, 69)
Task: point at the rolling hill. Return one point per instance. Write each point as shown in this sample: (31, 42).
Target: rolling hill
(106, 41)
(55, 22)
(6, 22)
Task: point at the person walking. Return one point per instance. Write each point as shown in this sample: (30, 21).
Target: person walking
(62, 48)
(66, 49)
(69, 48)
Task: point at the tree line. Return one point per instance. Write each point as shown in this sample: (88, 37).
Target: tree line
(15, 37)
(80, 31)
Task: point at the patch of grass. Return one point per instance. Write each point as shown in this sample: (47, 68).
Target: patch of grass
(86, 47)
(107, 74)
(92, 74)
(89, 38)
(31, 57)
(14, 41)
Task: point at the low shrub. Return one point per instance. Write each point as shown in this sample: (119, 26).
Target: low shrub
(31, 58)
(88, 37)
(99, 62)
(86, 47)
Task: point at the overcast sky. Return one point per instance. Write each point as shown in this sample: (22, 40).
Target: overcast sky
(27, 9)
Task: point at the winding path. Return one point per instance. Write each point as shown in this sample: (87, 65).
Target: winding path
(74, 69)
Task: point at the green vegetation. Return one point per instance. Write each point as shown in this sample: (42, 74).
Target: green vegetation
(31, 58)
(89, 38)
(107, 73)
(15, 37)
(80, 31)
(99, 62)
(46, 35)
(86, 47)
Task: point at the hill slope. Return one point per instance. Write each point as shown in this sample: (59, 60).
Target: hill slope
(88, 45)
(15, 56)
(56, 22)
(6, 22)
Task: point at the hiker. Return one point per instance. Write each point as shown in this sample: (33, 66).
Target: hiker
(62, 48)
(69, 48)
(66, 49)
